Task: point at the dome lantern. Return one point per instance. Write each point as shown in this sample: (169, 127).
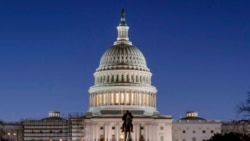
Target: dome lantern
(122, 31)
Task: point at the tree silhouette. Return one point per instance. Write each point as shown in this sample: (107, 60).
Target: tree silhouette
(230, 137)
(244, 110)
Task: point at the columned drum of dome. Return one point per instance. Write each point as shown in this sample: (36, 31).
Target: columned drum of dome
(122, 80)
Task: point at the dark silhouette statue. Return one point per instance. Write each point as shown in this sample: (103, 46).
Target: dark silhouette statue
(127, 126)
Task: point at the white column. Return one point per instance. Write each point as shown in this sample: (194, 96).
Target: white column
(87, 133)
(149, 99)
(153, 105)
(114, 97)
(153, 100)
(94, 132)
(107, 128)
(119, 131)
(105, 132)
(119, 95)
(97, 99)
(146, 132)
(142, 101)
(93, 100)
(139, 98)
(135, 96)
(108, 132)
(109, 96)
(97, 132)
(137, 93)
(110, 93)
(150, 132)
(138, 132)
(155, 132)
(133, 133)
(124, 95)
(132, 96)
(116, 134)
(102, 94)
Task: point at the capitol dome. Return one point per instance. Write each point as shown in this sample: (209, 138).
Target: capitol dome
(122, 80)
(123, 56)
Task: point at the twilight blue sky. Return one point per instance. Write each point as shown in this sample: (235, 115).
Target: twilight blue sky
(197, 50)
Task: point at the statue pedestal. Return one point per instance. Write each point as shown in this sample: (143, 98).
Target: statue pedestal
(129, 139)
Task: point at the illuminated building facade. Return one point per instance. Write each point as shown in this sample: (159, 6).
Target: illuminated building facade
(123, 82)
(11, 131)
(194, 128)
(52, 128)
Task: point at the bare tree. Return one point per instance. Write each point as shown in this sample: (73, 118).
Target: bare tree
(243, 109)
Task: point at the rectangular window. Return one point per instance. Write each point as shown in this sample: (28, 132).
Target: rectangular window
(112, 99)
(117, 98)
(122, 98)
(144, 99)
(139, 97)
(100, 99)
(104, 99)
(147, 99)
(127, 99)
(132, 99)
(97, 99)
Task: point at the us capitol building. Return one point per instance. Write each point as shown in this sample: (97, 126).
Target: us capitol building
(121, 82)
